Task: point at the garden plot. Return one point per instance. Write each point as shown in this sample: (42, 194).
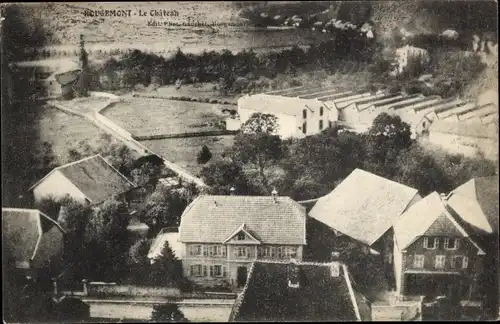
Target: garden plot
(183, 151)
(149, 117)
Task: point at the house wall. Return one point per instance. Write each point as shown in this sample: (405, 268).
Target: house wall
(287, 126)
(398, 266)
(57, 186)
(231, 262)
(468, 146)
(50, 248)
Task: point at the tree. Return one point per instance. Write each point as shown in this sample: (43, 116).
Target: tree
(167, 313)
(146, 175)
(108, 222)
(73, 216)
(204, 155)
(257, 146)
(138, 252)
(49, 206)
(223, 174)
(166, 269)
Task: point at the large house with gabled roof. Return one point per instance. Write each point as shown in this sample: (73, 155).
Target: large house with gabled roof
(435, 252)
(91, 180)
(222, 235)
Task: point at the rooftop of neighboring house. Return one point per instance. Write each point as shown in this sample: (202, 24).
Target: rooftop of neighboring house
(363, 206)
(166, 235)
(94, 177)
(476, 201)
(22, 231)
(466, 129)
(430, 216)
(266, 103)
(264, 219)
(325, 292)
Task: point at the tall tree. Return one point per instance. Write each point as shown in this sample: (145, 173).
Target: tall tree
(223, 174)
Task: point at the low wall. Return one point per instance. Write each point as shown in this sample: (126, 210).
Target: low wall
(184, 135)
(110, 289)
(104, 94)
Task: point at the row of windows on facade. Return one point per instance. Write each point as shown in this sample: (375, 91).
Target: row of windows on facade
(440, 261)
(449, 243)
(321, 125)
(215, 271)
(243, 251)
(304, 112)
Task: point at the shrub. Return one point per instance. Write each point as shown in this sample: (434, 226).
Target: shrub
(204, 155)
(214, 101)
(167, 313)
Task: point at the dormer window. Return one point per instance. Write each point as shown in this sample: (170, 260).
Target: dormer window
(240, 237)
(451, 243)
(431, 242)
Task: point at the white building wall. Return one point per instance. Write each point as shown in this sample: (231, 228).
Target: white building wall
(398, 267)
(57, 186)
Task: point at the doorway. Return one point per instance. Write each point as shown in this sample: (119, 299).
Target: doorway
(241, 276)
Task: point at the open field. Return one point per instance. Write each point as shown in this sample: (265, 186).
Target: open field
(183, 151)
(64, 131)
(197, 90)
(145, 116)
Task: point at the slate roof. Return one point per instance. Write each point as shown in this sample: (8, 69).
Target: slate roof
(94, 177)
(476, 201)
(417, 220)
(22, 231)
(363, 206)
(213, 218)
(278, 104)
(320, 296)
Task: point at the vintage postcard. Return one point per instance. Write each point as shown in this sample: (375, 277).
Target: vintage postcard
(245, 161)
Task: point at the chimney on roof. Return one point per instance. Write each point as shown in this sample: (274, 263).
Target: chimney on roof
(334, 269)
(232, 191)
(274, 193)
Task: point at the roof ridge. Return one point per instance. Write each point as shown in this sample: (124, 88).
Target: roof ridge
(52, 221)
(376, 175)
(123, 176)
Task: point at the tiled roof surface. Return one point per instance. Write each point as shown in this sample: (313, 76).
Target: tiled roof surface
(278, 104)
(363, 206)
(320, 296)
(214, 218)
(476, 201)
(21, 231)
(428, 214)
(95, 178)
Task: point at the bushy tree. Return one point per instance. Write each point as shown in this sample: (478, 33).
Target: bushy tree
(50, 206)
(147, 174)
(223, 174)
(166, 313)
(108, 222)
(166, 269)
(204, 155)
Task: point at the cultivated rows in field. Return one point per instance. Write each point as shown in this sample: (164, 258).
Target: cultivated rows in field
(183, 151)
(145, 116)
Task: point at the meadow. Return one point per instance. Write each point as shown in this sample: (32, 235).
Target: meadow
(147, 116)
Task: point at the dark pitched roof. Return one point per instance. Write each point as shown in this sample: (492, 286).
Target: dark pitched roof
(94, 177)
(476, 201)
(363, 206)
(215, 218)
(320, 296)
(22, 230)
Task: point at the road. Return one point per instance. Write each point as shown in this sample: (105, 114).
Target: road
(131, 143)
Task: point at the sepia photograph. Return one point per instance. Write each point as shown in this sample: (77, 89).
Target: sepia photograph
(250, 161)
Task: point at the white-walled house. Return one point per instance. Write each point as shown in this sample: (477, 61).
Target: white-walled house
(405, 54)
(297, 117)
(91, 180)
(222, 235)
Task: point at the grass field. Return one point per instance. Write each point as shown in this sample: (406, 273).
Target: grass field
(64, 131)
(144, 116)
(197, 90)
(183, 151)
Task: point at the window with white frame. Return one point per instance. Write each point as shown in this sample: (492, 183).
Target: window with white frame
(242, 251)
(195, 250)
(264, 251)
(216, 271)
(321, 111)
(197, 270)
(418, 261)
(465, 263)
(240, 236)
(320, 124)
(289, 251)
(451, 243)
(431, 242)
(439, 262)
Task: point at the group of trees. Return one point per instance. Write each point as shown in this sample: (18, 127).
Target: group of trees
(311, 167)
